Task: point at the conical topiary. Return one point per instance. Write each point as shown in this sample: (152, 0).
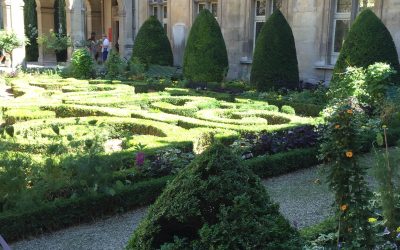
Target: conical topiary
(152, 45)
(275, 60)
(206, 58)
(215, 203)
(368, 42)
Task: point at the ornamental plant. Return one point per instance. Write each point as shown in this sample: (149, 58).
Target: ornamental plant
(368, 42)
(56, 42)
(214, 203)
(206, 57)
(115, 66)
(340, 149)
(152, 45)
(275, 63)
(82, 65)
(10, 41)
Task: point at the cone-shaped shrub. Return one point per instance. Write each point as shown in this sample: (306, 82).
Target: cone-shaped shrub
(206, 58)
(275, 60)
(215, 203)
(367, 42)
(152, 45)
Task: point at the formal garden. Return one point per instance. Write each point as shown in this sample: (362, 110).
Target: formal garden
(88, 141)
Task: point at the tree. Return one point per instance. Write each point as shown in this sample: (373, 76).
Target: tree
(31, 31)
(152, 45)
(10, 41)
(368, 42)
(206, 58)
(215, 203)
(275, 59)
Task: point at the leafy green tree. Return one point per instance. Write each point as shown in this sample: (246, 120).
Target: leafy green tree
(275, 59)
(215, 203)
(31, 31)
(206, 57)
(10, 41)
(152, 45)
(368, 42)
(82, 64)
(115, 66)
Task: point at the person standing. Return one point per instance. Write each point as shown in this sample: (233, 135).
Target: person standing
(105, 47)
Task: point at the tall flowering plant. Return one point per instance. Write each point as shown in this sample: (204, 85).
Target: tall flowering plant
(340, 148)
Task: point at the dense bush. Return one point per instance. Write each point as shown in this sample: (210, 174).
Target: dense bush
(214, 203)
(152, 45)
(82, 64)
(367, 42)
(206, 57)
(275, 58)
(114, 65)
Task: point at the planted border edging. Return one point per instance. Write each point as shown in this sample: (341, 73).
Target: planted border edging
(307, 109)
(282, 163)
(63, 213)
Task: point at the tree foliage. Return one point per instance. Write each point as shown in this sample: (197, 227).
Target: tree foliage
(275, 59)
(206, 57)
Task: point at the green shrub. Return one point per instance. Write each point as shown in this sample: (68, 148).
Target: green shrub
(82, 65)
(288, 110)
(152, 44)
(136, 68)
(275, 59)
(367, 42)
(215, 203)
(206, 57)
(114, 65)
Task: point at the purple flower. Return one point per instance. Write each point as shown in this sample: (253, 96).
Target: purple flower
(139, 159)
(386, 231)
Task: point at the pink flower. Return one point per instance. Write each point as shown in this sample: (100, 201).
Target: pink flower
(139, 159)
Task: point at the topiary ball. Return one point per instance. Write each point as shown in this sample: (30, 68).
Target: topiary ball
(152, 45)
(215, 203)
(206, 57)
(275, 63)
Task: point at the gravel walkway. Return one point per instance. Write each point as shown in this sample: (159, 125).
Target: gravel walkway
(302, 198)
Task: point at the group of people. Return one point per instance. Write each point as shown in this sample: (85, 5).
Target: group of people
(99, 49)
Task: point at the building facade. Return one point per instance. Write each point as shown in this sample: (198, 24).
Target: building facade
(319, 26)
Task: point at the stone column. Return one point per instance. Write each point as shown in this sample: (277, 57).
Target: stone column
(125, 40)
(75, 23)
(45, 15)
(13, 19)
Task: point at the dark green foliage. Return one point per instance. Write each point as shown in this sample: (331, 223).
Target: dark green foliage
(275, 60)
(82, 65)
(152, 45)
(62, 213)
(282, 163)
(30, 20)
(206, 58)
(60, 26)
(367, 42)
(215, 203)
(115, 66)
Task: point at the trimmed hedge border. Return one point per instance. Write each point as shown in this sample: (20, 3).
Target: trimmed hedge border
(306, 109)
(282, 163)
(64, 213)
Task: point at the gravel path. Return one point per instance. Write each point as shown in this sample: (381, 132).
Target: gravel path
(302, 198)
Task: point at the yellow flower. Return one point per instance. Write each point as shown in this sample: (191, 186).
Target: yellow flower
(349, 154)
(398, 230)
(344, 207)
(372, 220)
(349, 111)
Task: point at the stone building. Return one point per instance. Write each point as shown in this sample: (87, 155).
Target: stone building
(319, 26)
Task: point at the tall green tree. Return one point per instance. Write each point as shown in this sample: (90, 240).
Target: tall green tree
(368, 42)
(206, 57)
(31, 32)
(275, 63)
(60, 26)
(152, 45)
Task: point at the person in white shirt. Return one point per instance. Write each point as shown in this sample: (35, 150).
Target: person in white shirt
(105, 47)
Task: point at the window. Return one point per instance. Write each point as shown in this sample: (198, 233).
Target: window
(159, 9)
(212, 6)
(343, 15)
(275, 4)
